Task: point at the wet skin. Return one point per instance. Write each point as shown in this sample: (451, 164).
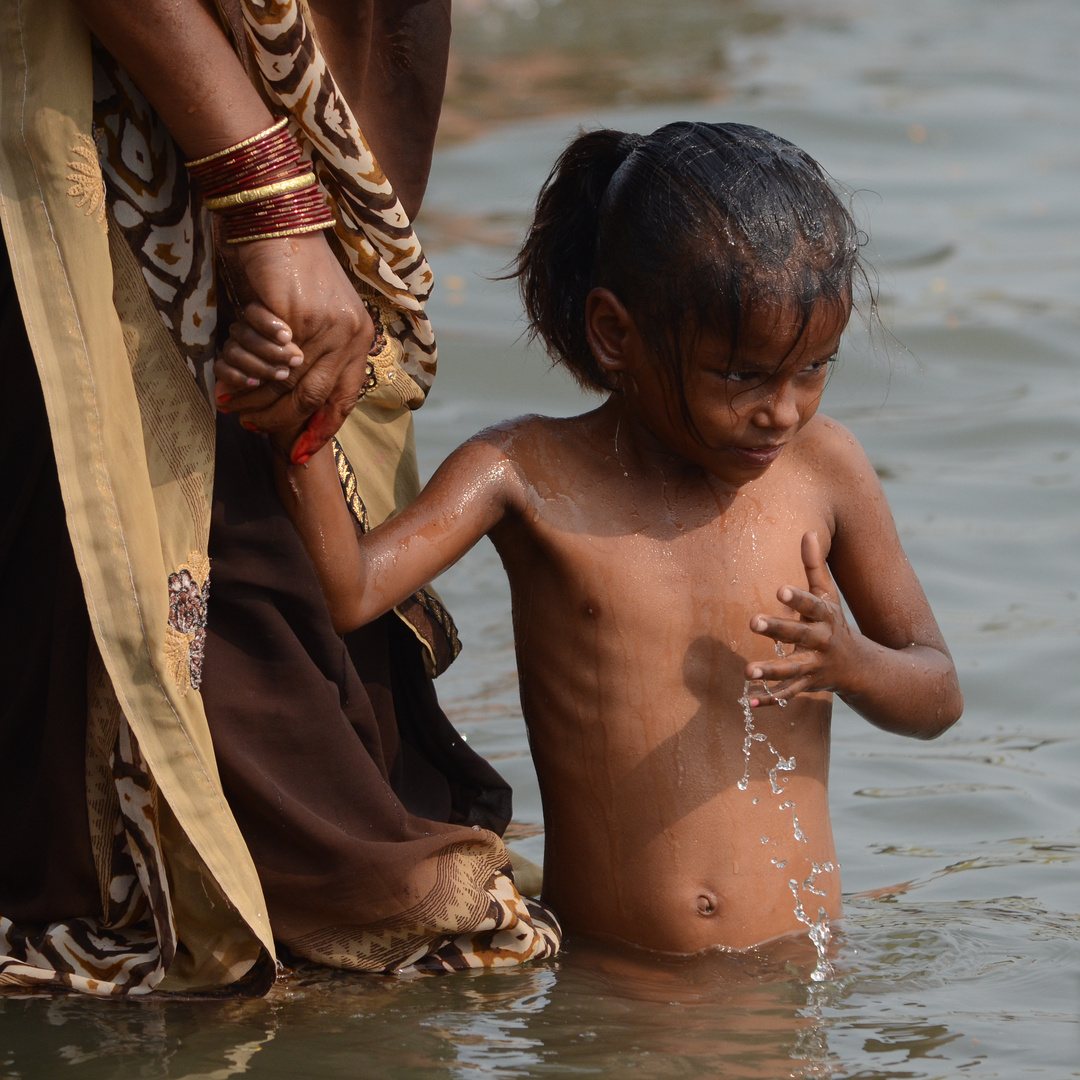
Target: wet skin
(652, 570)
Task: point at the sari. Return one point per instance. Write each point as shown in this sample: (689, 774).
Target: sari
(212, 769)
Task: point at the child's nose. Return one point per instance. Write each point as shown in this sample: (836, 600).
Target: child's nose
(780, 410)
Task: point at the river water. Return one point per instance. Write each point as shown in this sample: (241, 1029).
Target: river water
(957, 124)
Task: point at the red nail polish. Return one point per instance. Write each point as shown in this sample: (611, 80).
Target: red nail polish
(248, 426)
(303, 449)
(224, 398)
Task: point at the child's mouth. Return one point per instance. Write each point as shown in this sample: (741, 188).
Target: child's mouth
(758, 456)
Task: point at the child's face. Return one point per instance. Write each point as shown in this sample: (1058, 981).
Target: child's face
(745, 408)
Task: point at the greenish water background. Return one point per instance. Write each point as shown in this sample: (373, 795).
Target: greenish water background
(957, 122)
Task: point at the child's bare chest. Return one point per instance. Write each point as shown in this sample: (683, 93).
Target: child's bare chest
(676, 561)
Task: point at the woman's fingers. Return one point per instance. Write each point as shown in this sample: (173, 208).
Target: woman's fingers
(333, 413)
(300, 287)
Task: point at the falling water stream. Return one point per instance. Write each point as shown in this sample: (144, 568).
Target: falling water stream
(819, 930)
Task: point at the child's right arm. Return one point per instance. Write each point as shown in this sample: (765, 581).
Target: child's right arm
(363, 576)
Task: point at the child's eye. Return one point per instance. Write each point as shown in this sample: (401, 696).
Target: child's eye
(820, 365)
(742, 377)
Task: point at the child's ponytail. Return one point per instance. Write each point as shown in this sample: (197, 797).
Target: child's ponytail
(555, 267)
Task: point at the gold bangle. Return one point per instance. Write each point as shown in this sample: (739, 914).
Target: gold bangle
(279, 233)
(272, 129)
(250, 195)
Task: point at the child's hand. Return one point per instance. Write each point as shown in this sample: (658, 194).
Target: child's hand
(824, 643)
(260, 349)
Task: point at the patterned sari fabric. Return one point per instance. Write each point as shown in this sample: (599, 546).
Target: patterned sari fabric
(113, 257)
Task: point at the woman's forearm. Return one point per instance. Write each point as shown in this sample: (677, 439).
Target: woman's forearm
(179, 56)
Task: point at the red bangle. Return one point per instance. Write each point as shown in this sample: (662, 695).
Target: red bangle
(261, 188)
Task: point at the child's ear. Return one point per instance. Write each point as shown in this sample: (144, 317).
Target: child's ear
(612, 333)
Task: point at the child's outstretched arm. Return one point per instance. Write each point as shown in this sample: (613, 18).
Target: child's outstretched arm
(363, 576)
(895, 668)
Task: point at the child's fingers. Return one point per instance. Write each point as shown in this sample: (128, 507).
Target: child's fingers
(804, 603)
(279, 354)
(781, 688)
(266, 323)
(818, 579)
(785, 690)
(820, 618)
(235, 360)
(797, 665)
(233, 378)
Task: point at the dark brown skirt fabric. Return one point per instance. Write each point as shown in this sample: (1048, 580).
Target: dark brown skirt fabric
(343, 772)
(46, 863)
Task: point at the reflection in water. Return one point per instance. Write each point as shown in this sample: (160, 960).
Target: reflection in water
(921, 990)
(71, 1036)
(602, 1010)
(490, 1035)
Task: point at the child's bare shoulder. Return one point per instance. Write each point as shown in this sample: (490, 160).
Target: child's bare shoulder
(530, 427)
(833, 450)
(844, 472)
(513, 458)
(527, 440)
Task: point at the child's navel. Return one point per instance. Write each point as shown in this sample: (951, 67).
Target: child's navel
(707, 903)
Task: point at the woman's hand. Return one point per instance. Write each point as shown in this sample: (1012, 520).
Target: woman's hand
(299, 280)
(179, 56)
(825, 647)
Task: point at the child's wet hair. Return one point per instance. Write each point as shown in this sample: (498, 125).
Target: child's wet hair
(693, 228)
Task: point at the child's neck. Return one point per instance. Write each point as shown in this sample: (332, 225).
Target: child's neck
(639, 453)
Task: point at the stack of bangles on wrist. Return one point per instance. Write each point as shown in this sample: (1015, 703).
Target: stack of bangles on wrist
(261, 189)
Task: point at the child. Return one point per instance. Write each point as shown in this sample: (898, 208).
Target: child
(671, 554)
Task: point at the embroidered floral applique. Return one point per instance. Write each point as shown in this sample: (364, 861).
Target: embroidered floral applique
(387, 382)
(88, 188)
(185, 638)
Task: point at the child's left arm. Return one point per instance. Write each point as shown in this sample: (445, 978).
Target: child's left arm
(895, 668)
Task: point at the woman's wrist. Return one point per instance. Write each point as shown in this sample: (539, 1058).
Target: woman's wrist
(260, 188)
